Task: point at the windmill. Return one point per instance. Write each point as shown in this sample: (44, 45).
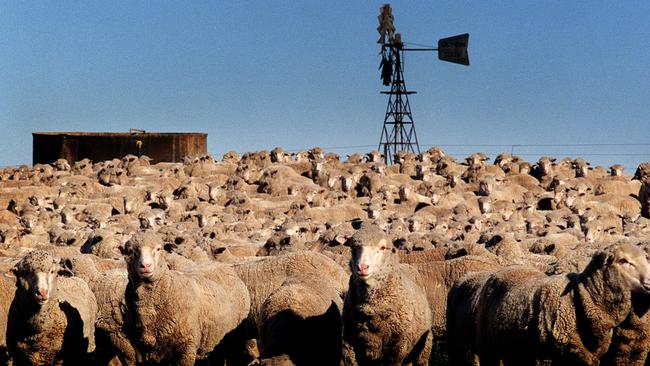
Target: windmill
(398, 132)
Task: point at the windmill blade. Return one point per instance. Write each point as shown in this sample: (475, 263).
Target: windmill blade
(454, 49)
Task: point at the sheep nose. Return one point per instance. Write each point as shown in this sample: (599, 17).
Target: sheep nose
(362, 267)
(43, 293)
(146, 266)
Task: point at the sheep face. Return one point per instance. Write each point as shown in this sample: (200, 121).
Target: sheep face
(485, 187)
(205, 219)
(317, 168)
(213, 193)
(372, 253)
(144, 256)
(632, 263)
(545, 166)
(616, 170)
(484, 205)
(582, 170)
(404, 193)
(165, 200)
(346, 183)
(36, 277)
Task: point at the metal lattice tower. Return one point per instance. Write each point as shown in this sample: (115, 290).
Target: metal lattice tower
(398, 133)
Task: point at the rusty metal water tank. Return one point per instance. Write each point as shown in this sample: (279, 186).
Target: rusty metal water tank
(100, 146)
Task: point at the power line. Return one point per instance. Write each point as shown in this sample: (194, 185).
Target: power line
(533, 145)
(510, 147)
(564, 154)
(333, 148)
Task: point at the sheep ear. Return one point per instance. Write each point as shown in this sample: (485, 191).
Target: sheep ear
(496, 239)
(65, 267)
(13, 272)
(66, 263)
(65, 272)
(121, 250)
(341, 239)
(170, 247)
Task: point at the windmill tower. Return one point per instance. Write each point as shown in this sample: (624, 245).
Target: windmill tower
(398, 132)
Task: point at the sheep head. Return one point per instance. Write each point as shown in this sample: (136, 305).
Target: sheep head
(630, 263)
(486, 185)
(36, 277)
(545, 165)
(144, 256)
(372, 253)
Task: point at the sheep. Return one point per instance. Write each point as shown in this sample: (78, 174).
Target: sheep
(112, 333)
(107, 280)
(7, 292)
(271, 281)
(226, 211)
(163, 325)
(51, 319)
(303, 313)
(462, 318)
(386, 316)
(526, 316)
(508, 252)
(644, 198)
(631, 339)
(439, 277)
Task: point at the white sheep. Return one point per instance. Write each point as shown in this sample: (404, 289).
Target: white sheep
(51, 319)
(176, 317)
(386, 315)
(526, 317)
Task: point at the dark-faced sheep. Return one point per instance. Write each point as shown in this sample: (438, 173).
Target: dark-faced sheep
(386, 316)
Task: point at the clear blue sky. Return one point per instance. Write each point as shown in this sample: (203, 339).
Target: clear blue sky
(297, 74)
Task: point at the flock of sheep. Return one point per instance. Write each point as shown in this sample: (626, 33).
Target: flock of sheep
(273, 258)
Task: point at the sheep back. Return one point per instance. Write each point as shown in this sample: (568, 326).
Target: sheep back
(111, 332)
(439, 277)
(302, 319)
(264, 276)
(75, 292)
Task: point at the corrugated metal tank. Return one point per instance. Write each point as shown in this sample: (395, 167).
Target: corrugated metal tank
(100, 146)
